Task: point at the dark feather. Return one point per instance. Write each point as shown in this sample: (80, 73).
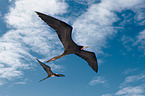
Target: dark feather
(90, 57)
(59, 75)
(62, 29)
(46, 68)
(49, 72)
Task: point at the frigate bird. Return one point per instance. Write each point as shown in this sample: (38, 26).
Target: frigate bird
(49, 72)
(64, 32)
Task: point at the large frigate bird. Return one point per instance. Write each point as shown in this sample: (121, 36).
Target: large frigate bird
(49, 72)
(64, 32)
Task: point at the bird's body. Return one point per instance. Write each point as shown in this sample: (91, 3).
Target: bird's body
(49, 72)
(64, 32)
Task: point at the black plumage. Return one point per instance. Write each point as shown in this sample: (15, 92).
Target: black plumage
(64, 32)
(48, 70)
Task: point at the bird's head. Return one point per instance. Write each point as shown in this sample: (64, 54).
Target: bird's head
(83, 47)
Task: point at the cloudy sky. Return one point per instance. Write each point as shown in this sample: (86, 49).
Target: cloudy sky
(113, 29)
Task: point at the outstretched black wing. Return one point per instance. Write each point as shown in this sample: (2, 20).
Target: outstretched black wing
(90, 57)
(46, 68)
(59, 75)
(62, 29)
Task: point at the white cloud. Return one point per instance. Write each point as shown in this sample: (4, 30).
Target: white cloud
(119, 5)
(133, 80)
(141, 41)
(107, 95)
(141, 36)
(127, 42)
(22, 82)
(94, 26)
(86, 2)
(128, 71)
(10, 73)
(130, 79)
(131, 91)
(98, 80)
(137, 6)
(131, 86)
(22, 15)
(56, 67)
(28, 36)
(1, 83)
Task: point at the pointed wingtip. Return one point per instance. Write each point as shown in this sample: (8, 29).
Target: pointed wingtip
(40, 81)
(38, 12)
(37, 59)
(62, 75)
(96, 70)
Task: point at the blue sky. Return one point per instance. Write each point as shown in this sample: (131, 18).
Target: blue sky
(113, 29)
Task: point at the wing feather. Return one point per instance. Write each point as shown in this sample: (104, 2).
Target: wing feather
(59, 75)
(45, 67)
(90, 57)
(62, 29)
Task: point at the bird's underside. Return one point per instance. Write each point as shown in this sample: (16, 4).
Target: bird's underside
(64, 31)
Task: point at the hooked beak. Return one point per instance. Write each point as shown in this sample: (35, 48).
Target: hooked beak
(84, 47)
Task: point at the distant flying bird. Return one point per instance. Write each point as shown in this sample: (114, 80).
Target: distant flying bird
(64, 31)
(49, 72)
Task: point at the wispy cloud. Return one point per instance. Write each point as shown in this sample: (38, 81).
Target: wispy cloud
(1, 82)
(27, 36)
(10, 0)
(130, 79)
(86, 2)
(133, 79)
(128, 71)
(131, 91)
(95, 26)
(141, 41)
(22, 82)
(136, 17)
(107, 95)
(56, 67)
(141, 36)
(120, 5)
(98, 80)
(131, 86)
(127, 42)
